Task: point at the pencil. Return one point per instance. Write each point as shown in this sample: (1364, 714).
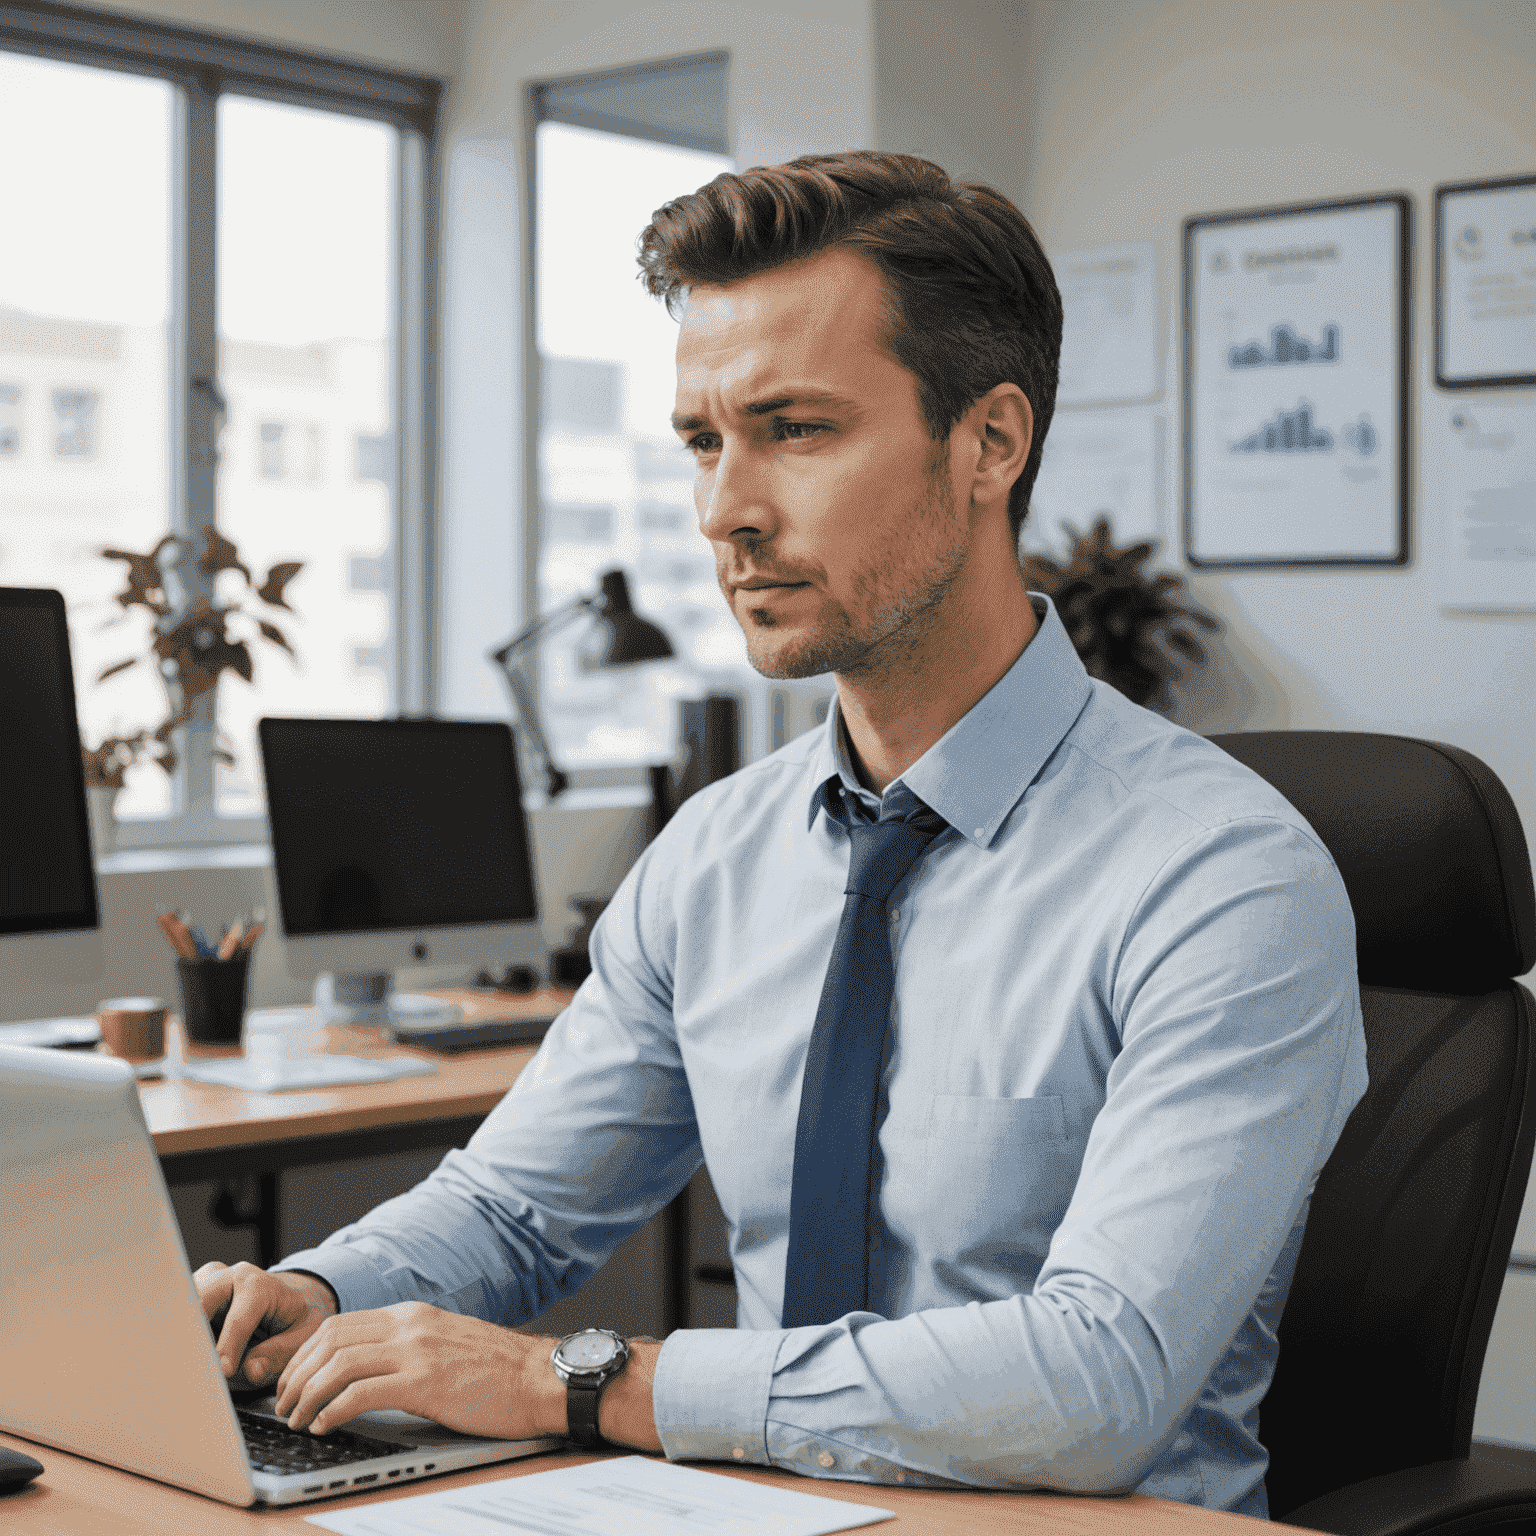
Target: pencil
(176, 931)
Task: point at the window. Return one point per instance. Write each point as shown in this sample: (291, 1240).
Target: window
(269, 454)
(268, 216)
(615, 484)
(74, 423)
(10, 420)
(372, 457)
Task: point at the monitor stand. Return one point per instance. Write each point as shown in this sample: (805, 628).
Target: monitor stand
(369, 997)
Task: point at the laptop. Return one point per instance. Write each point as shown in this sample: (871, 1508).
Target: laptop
(104, 1350)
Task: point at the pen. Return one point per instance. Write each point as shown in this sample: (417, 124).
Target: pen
(205, 950)
(248, 942)
(231, 940)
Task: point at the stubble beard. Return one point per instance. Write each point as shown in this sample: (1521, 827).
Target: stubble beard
(900, 603)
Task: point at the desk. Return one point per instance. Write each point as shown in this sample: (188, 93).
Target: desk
(204, 1132)
(75, 1497)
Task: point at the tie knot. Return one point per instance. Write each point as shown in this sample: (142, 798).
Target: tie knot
(881, 852)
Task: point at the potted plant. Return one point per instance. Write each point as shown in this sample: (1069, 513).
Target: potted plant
(1128, 628)
(192, 643)
(105, 769)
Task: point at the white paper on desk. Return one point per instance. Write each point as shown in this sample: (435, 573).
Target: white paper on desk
(1489, 506)
(630, 1496)
(284, 1074)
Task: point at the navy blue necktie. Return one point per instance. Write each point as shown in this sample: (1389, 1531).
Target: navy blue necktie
(826, 1275)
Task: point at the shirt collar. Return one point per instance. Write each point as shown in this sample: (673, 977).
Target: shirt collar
(976, 772)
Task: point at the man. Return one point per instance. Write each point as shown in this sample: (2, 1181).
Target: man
(1016, 1141)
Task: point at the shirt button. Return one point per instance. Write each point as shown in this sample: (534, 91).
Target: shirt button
(901, 1477)
(895, 914)
(981, 832)
(827, 1459)
(740, 1453)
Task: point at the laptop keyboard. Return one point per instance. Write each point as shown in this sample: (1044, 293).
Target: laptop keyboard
(273, 1447)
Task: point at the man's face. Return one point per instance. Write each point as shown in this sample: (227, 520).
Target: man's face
(837, 526)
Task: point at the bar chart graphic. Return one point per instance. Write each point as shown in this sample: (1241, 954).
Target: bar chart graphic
(1287, 432)
(1286, 345)
(1361, 436)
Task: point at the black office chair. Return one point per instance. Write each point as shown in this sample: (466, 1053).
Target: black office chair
(1369, 1420)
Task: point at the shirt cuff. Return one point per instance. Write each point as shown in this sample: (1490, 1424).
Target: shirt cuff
(356, 1282)
(710, 1395)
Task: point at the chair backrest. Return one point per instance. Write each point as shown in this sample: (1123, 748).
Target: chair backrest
(1387, 1320)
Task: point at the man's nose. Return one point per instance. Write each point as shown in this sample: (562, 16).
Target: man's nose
(734, 499)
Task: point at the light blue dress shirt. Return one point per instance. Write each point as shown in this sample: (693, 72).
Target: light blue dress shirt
(1124, 1038)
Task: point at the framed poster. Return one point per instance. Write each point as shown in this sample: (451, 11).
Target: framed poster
(1295, 388)
(1485, 283)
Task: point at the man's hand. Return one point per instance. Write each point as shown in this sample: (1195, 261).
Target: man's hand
(469, 1375)
(261, 1319)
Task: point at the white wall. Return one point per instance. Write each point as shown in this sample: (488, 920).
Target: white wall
(1138, 113)
(949, 86)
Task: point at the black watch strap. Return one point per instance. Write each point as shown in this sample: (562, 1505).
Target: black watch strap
(581, 1400)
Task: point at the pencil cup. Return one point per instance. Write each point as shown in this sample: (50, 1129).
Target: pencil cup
(213, 999)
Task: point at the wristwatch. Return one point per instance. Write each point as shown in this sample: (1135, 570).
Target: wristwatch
(586, 1362)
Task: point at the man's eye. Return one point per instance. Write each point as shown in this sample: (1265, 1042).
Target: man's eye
(798, 430)
(701, 442)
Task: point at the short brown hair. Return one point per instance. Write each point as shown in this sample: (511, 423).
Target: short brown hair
(972, 299)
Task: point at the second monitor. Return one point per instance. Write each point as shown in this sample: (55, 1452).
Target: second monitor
(396, 843)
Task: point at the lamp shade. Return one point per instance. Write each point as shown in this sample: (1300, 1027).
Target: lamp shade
(619, 636)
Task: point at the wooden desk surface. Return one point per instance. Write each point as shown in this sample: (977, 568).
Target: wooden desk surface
(185, 1116)
(75, 1497)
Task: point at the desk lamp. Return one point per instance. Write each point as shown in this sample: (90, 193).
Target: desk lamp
(619, 638)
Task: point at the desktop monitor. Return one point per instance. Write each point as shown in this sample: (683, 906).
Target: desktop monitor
(396, 843)
(50, 923)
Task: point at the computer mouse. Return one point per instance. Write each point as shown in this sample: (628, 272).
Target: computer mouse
(16, 1470)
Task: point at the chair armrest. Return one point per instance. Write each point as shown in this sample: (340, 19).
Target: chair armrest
(1444, 1498)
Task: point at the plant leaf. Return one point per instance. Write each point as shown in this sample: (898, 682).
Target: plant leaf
(115, 668)
(271, 590)
(221, 554)
(275, 635)
(145, 587)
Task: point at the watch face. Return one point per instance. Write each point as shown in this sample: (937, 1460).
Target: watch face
(588, 1351)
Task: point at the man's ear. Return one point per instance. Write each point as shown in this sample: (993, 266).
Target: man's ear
(1005, 425)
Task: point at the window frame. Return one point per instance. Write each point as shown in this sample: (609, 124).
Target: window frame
(201, 66)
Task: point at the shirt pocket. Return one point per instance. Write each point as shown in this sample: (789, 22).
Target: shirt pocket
(998, 1174)
(964, 1117)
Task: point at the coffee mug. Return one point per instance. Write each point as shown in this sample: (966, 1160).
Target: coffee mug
(133, 1027)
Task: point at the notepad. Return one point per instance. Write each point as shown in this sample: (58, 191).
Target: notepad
(285, 1073)
(628, 1496)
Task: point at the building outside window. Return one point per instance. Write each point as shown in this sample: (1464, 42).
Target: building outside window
(269, 450)
(372, 452)
(10, 420)
(280, 304)
(74, 423)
